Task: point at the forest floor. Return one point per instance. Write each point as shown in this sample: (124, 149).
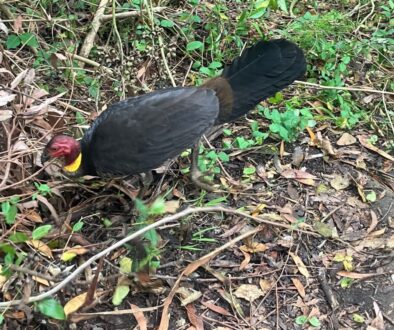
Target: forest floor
(300, 234)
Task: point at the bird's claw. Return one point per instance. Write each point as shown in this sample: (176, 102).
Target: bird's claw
(201, 182)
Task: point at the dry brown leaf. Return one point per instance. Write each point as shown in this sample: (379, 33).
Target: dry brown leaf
(248, 292)
(5, 98)
(33, 216)
(377, 233)
(300, 176)
(40, 280)
(78, 250)
(340, 182)
(282, 149)
(374, 222)
(188, 295)
(172, 206)
(300, 265)
(266, 285)
(312, 135)
(346, 139)
(300, 288)
(139, 316)
(325, 145)
(363, 139)
(5, 114)
(37, 94)
(41, 247)
(232, 300)
(194, 318)
(74, 304)
(377, 322)
(216, 309)
(246, 260)
(258, 209)
(17, 26)
(254, 247)
(43, 107)
(357, 276)
(18, 79)
(3, 28)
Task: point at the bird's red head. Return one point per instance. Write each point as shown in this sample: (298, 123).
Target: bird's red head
(62, 146)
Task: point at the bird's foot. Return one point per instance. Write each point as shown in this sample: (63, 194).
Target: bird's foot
(146, 180)
(201, 182)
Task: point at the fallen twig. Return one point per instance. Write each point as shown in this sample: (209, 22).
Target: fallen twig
(128, 14)
(353, 89)
(89, 40)
(140, 232)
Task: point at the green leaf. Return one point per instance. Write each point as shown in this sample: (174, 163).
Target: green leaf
(41, 231)
(300, 320)
(258, 13)
(314, 321)
(371, 197)
(277, 98)
(43, 189)
(227, 132)
(125, 265)
(158, 207)
(275, 128)
(216, 201)
(9, 211)
(215, 65)
(249, 170)
(166, 23)
(283, 132)
(207, 71)
(212, 155)
(358, 318)
(223, 157)
(50, 307)
(275, 116)
(282, 5)
(80, 118)
(29, 39)
(193, 45)
(77, 226)
(254, 125)
(18, 237)
(13, 41)
(345, 282)
(120, 293)
(152, 237)
(1, 319)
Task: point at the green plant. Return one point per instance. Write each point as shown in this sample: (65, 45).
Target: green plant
(198, 238)
(9, 209)
(303, 319)
(145, 215)
(42, 189)
(289, 123)
(14, 41)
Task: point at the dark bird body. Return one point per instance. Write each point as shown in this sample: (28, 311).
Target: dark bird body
(140, 133)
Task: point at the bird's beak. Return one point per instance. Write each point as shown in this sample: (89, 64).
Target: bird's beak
(45, 157)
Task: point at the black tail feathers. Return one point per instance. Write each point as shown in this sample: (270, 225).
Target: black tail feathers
(260, 72)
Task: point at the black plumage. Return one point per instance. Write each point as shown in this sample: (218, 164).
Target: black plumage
(140, 133)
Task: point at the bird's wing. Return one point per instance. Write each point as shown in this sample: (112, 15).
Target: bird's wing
(140, 133)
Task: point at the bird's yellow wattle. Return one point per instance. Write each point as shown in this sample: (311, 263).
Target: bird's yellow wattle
(74, 166)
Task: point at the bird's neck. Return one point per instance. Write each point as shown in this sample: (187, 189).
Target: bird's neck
(73, 160)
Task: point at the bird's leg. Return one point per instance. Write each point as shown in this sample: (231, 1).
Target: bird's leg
(146, 180)
(196, 175)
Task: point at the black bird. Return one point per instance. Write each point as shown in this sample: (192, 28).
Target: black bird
(140, 133)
